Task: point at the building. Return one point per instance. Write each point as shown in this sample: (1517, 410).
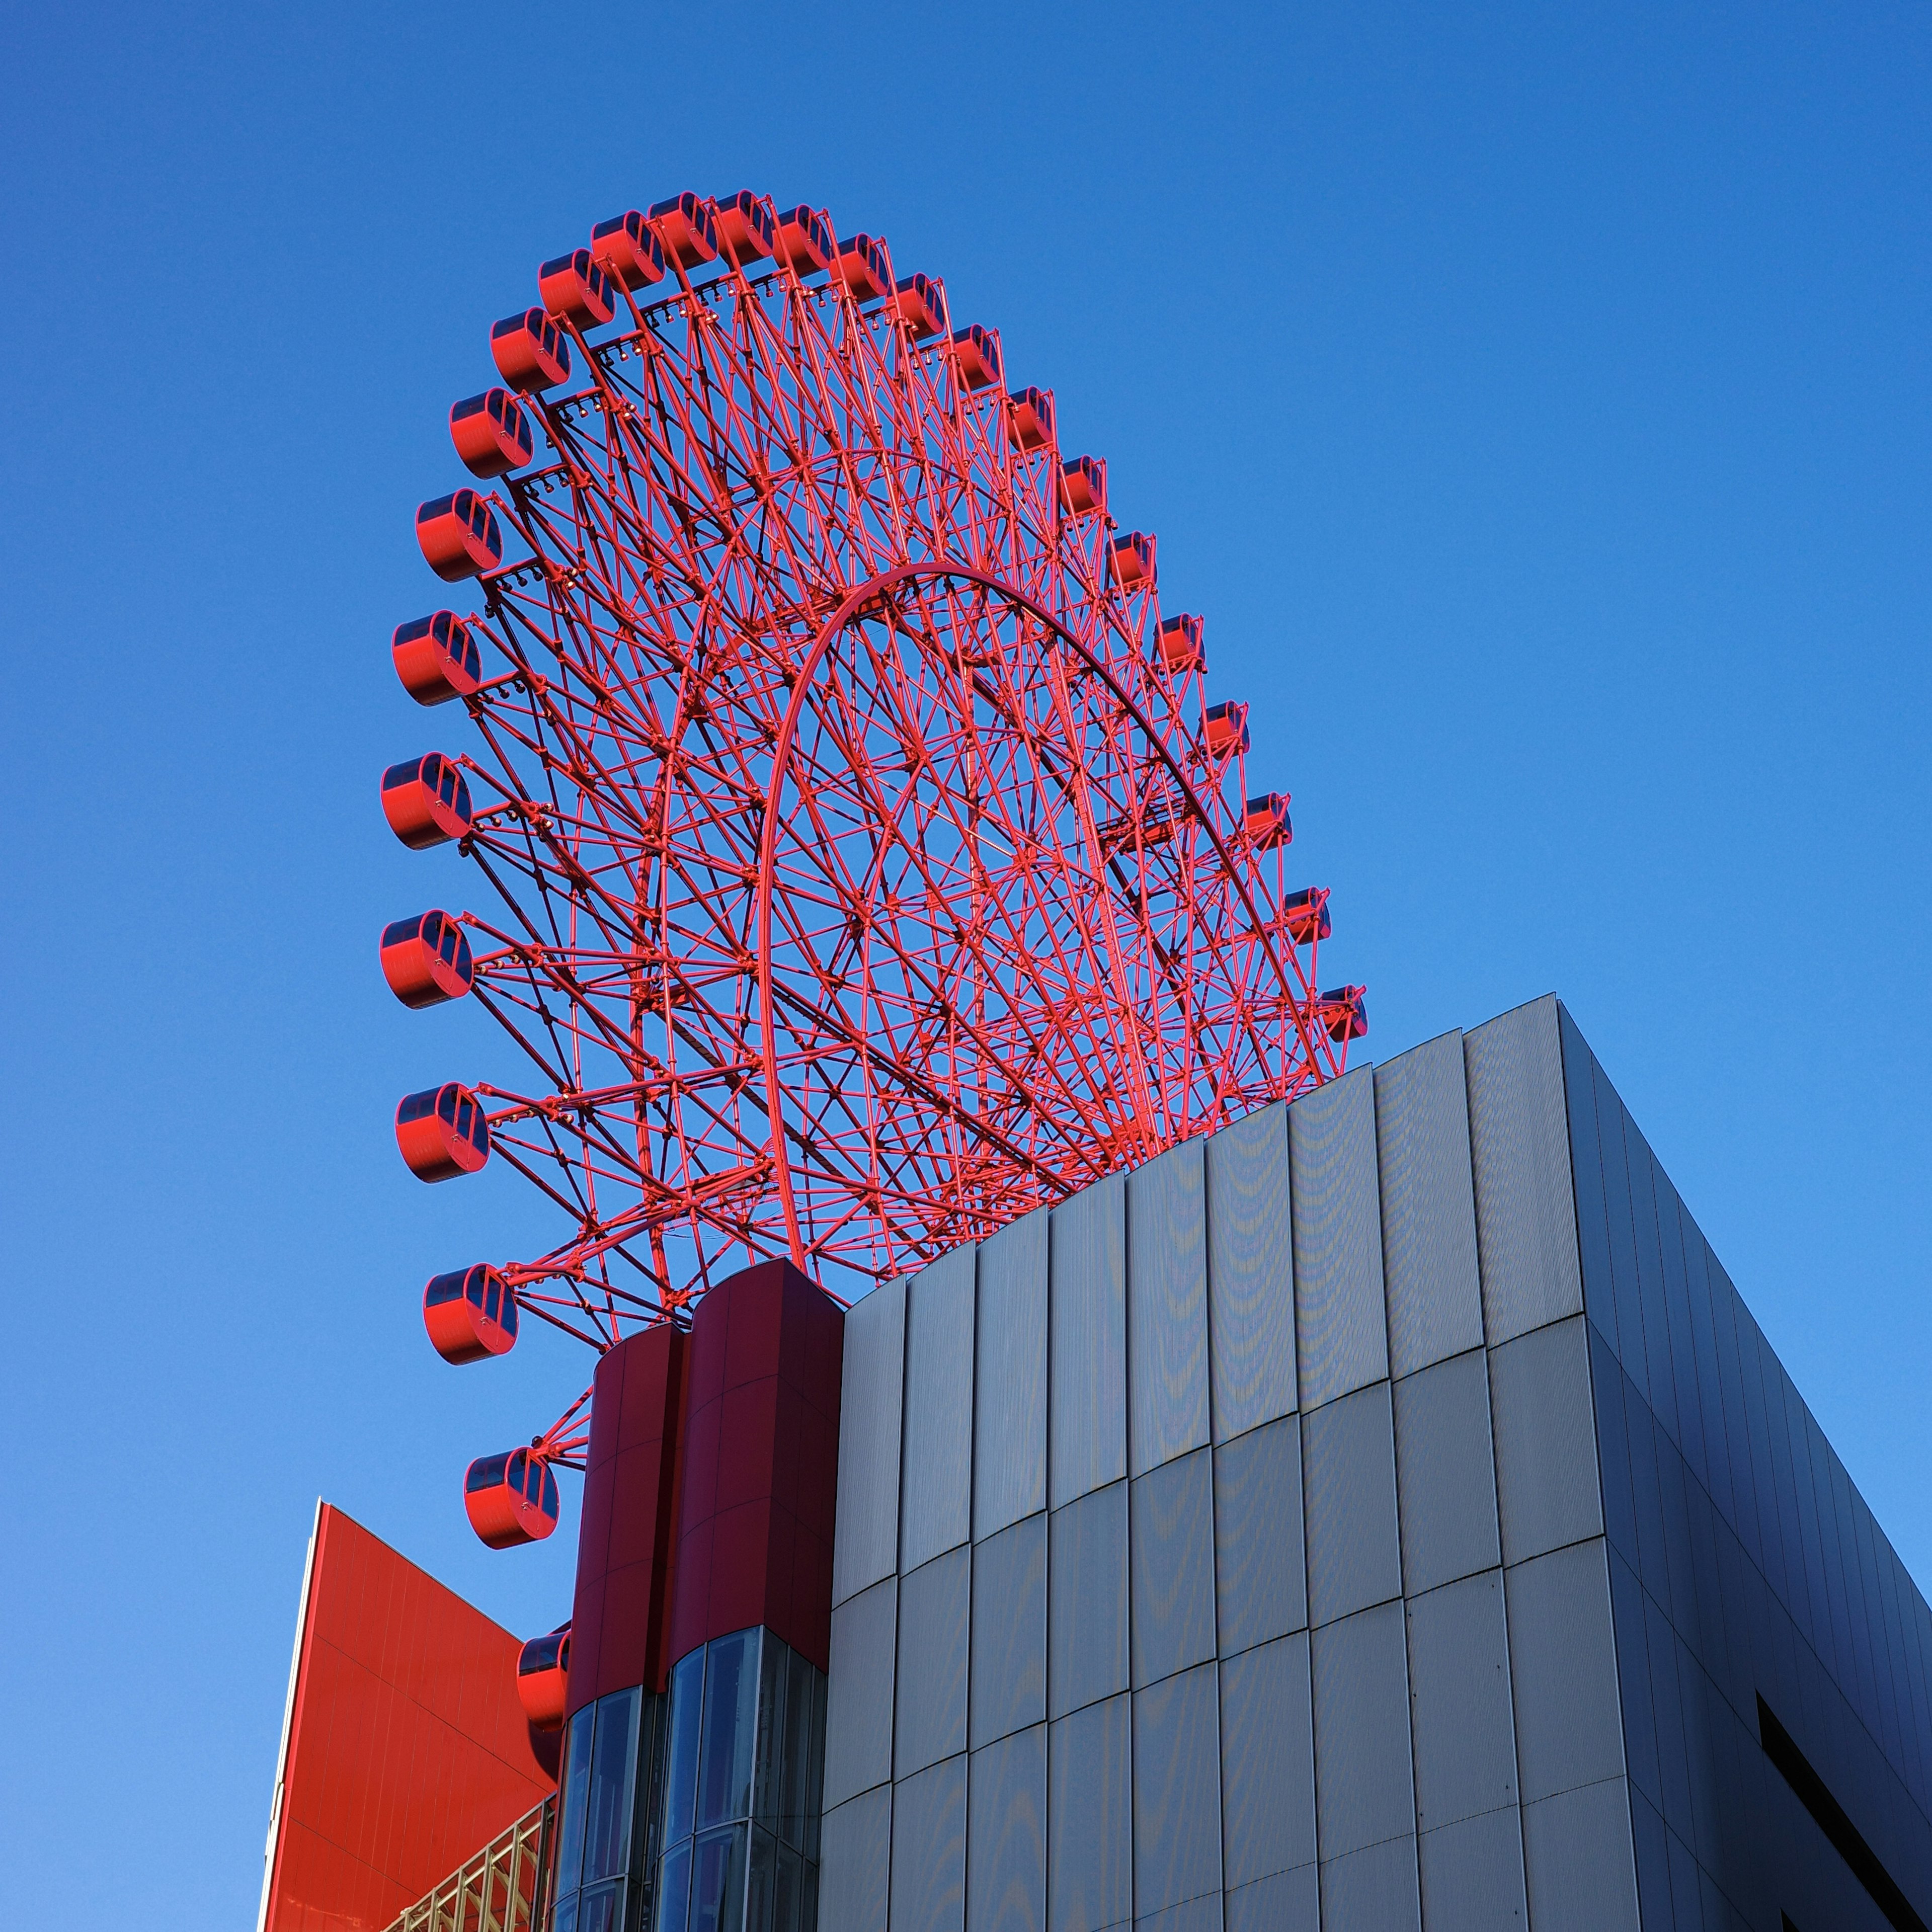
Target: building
(1384, 1513)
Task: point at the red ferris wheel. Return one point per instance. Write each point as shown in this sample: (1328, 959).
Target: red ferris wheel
(866, 864)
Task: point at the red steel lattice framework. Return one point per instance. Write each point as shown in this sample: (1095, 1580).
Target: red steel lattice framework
(872, 868)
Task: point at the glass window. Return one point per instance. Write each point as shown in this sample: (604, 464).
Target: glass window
(486, 1472)
(793, 1804)
(673, 1890)
(552, 1506)
(492, 1301)
(606, 1841)
(601, 1909)
(718, 1880)
(444, 1288)
(576, 1780)
(519, 1463)
(509, 1317)
(730, 1718)
(687, 1699)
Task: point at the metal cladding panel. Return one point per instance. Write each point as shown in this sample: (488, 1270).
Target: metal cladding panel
(1347, 1462)
(1364, 1788)
(1008, 1676)
(407, 1747)
(1445, 1473)
(1261, 1580)
(1172, 1564)
(1010, 1395)
(1519, 1155)
(1250, 1273)
(1177, 1792)
(929, 1889)
(1472, 1874)
(855, 1860)
(936, 1491)
(865, 1547)
(1167, 1308)
(1341, 1330)
(1578, 1861)
(1289, 1902)
(1197, 1915)
(1593, 1224)
(1429, 1206)
(935, 1603)
(1089, 1819)
(1563, 1669)
(1374, 1886)
(1006, 1859)
(1087, 1417)
(1548, 1487)
(1267, 1762)
(859, 1693)
(1087, 1605)
(1459, 1701)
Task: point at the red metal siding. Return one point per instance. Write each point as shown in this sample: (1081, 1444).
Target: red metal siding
(407, 1749)
(760, 1471)
(630, 1499)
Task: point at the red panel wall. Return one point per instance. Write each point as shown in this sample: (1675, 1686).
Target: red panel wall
(630, 1504)
(407, 1749)
(760, 1474)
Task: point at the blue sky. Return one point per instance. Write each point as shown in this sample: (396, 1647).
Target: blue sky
(1534, 399)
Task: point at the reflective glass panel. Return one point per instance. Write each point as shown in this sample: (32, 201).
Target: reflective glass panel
(762, 1883)
(718, 1880)
(673, 1890)
(606, 1844)
(731, 1714)
(601, 1909)
(773, 1675)
(576, 1781)
(687, 1698)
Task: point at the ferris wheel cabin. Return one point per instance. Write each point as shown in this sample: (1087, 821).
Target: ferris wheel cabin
(1133, 559)
(426, 801)
(442, 1132)
(976, 350)
(1266, 821)
(530, 351)
(627, 251)
(543, 1678)
(458, 536)
(574, 288)
(862, 266)
(805, 241)
(745, 229)
(426, 960)
(1345, 1012)
(1304, 915)
(919, 302)
(511, 1498)
(470, 1314)
(436, 658)
(1083, 485)
(1031, 413)
(1181, 645)
(491, 433)
(684, 226)
(1224, 729)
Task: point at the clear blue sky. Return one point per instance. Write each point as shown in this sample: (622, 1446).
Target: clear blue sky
(1535, 400)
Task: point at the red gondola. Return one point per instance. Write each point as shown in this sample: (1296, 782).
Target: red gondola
(1032, 412)
(543, 1678)
(491, 433)
(1181, 645)
(919, 302)
(458, 536)
(436, 659)
(745, 227)
(1266, 820)
(684, 226)
(977, 351)
(862, 264)
(805, 244)
(471, 1314)
(511, 1498)
(1083, 484)
(1224, 728)
(426, 959)
(531, 353)
(1133, 559)
(574, 288)
(426, 801)
(1304, 915)
(627, 251)
(1344, 1011)
(442, 1132)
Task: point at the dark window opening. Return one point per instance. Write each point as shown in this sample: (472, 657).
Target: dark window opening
(1815, 1795)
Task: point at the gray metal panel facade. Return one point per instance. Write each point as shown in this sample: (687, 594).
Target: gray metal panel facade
(1167, 1308)
(1009, 1390)
(1553, 1564)
(936, 1494)
(1250, 1273)
(1087, 1415)
(1341, 1327)
(865, 1533)
(1520, 1153)
(1429, 1206)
